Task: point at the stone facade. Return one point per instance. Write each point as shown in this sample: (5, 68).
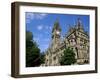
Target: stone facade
(76, 38)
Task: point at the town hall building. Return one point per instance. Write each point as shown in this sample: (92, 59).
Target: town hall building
(76, 38)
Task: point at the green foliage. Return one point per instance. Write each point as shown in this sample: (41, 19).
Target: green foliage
(29, 36)
(68, 58)
(33, 55)
(42, 59)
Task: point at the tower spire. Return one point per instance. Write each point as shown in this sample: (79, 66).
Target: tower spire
(56, 25)
(56, 34)
(79, 24)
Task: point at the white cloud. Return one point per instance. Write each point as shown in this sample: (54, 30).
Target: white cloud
(40, 27)
(40, 16)
(48, 27)
(30, 16)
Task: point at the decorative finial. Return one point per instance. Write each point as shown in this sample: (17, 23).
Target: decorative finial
(79, 23)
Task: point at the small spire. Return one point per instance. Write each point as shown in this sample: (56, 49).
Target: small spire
(56, 25)
(57, 20)
(79, 22)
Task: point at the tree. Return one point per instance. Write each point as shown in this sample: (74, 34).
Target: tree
(33, 55)
(68, 58)
(42, 58)
(29, 36)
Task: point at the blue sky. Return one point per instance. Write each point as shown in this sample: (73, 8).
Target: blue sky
(41, 24)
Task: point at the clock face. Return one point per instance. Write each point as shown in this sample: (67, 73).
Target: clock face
(58, 32)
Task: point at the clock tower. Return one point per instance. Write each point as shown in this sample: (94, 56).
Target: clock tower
(56, 34)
